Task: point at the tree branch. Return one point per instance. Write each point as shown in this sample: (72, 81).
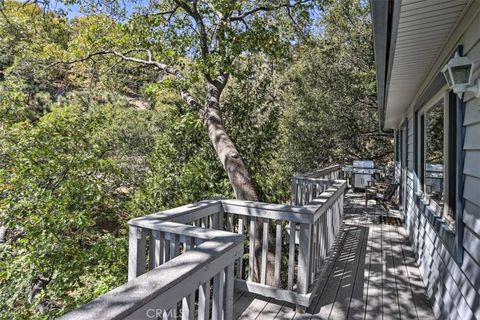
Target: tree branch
(266, 8)
(184, 93)
(202, 30)
(124, 56)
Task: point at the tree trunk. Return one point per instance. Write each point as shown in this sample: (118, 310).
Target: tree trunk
(227, 153)
(237, 172)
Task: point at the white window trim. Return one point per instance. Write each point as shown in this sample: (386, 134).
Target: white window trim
(441, 95)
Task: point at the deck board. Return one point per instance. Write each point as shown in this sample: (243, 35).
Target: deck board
(370, 274)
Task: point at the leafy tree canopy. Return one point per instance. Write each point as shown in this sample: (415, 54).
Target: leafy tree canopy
(91, 137)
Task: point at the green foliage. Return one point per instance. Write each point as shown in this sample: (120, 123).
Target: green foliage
(331, 114)
(57, 183)
(253, 108)
(84, 147)
(182, 168)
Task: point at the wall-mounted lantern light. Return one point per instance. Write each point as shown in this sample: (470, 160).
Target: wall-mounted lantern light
(459, 72)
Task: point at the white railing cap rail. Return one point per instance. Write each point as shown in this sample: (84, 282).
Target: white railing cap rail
(325, 200)
(310, 179)
(165, 285)
(155, 223)
(181, 214)
(299, 214)
(318, 172)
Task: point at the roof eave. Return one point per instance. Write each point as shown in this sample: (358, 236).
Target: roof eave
(385, 15)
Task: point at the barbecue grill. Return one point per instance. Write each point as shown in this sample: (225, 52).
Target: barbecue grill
(362, 173)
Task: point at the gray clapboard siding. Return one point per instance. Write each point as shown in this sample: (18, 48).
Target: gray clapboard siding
(454, 288)
(471, 216)
(448, 287)
(471, 163)
(436, 263)
(471, 243)
(472, 134)
(472, 111)
(471, 190)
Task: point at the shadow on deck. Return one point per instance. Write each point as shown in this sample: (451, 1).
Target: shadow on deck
(371, 274)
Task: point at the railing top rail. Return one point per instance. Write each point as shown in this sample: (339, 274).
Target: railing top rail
(154, 223)
(325, 200)
(319, 172)
(167, 284)
(309, 179)
(299, 214)
(183, 214)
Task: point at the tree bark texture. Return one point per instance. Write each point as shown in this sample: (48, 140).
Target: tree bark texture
(237, 172)
(227, 153)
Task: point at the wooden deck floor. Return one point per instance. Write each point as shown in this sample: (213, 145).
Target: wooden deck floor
(371, 274)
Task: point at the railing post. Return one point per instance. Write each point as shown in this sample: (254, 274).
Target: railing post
(204, 301)
(218, 295)
(342, 198)
(136, 252)
(304, 258)
(229, 274)
(294, 192)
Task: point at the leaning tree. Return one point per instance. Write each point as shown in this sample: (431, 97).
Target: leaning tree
(203, 41)
(196, 46)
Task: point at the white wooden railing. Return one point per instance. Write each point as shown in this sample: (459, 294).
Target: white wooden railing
(181, 286)
(187, 260)
(308, 186)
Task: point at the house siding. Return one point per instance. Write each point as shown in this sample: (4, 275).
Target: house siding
(452, 286)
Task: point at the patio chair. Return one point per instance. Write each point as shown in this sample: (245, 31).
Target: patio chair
(381, 193)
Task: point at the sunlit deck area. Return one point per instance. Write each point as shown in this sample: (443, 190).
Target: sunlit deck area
(325, 256)
(371, 273)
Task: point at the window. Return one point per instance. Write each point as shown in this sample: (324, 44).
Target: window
(437, 156)
(434, 169)
(397, 146)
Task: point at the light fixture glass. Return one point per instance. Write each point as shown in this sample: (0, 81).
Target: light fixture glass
(458, 73)
(461, 74)
(446, 74)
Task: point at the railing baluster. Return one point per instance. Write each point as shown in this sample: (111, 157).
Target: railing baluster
(304, 194)
(230, 226)
(263, 277)
(211, 224)
(169, 313)
(228, 305)
(304, 258)
(291, 255)
(204, 301)
(294, 192)
(136, 253)
(188, 307)
(311, 257)
(166, 246)
(251, 254)
(278, 253)
(314, 249)
(155, 249)
(299, 193)
(174, 246)
(241, 219)
(321, 236)
(191, 243)
(218, 288)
